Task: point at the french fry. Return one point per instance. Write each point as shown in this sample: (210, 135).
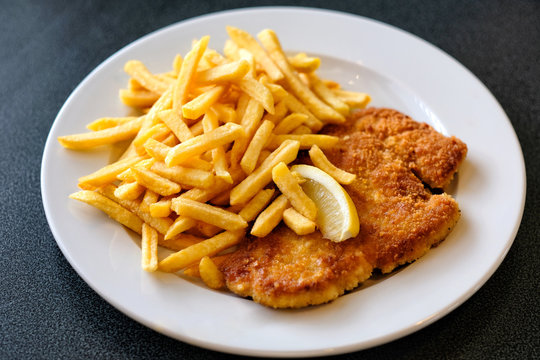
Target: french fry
(161, 208)
(257, 143)
(181, 224)
(306, 140)
(180, 242)
(193, 270)
(129, 191)
(301, 130)
(210, 122)
(137, 70)
(209, 214)
(327, 95)
(160, 224)
(156, 149)
(321, 161)
(149, 244)
(202, 143)
(155, 182)
(303, 63)
(355, 100)
(245, 40)
(108, 136)
(257, 91)
(289, 123)
(210, 274)
(295, 106)
(184, 176)
(226, 113)
(198, 106)
(187, 73)
(108, 122)
(324, 112)
(176, 124)
(108, 173)
(196, 252)
(228, 72)
(288, 185)
(256, 204)
(157, 132)
(250, 121)
(270, 217)
(298, 223)
(219, 186)
(138, 99)
(261, 176)
(114, 210)
(208, 230)
(148, 199)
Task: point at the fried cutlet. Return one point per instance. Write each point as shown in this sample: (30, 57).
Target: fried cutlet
(400, 218)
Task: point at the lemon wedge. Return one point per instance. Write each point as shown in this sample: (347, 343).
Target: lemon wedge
(336, 214)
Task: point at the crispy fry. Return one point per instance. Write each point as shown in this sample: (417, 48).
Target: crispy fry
(210, 122)
(327, 95)
(184, 176)
(256, 204)
(114, 210)
(290, 123)
(102, 137)
(270, 217)
(257, 91)
(149, 244)
(209, 214)
(297, 222)
(155, 182)
(306, 140)
(137, 70)
(160, 224)
(250, 121)
(324, 112)
(107, 173)
(161, 208)
(321, 161)
(198, 106)
(301, 130)
(181, 224)
(245, 40)
(148, 199)
(129, 191)
(259, 140)
(295, 106)
(187, 73)
(176, 124)
(210, 274)
(108, 122)
(199, 144)
(194, 253)
(288, 185)
(228, 72)
(261, 176)
(303, 63)
(138, 99)
(157, 132)
(353, 99)
(180, 242)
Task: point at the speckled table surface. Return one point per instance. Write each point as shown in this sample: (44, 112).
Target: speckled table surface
(47, 311)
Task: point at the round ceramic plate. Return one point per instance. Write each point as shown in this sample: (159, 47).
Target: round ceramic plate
(399, 71)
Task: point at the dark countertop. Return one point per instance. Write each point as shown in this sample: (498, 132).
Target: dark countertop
(47, 48)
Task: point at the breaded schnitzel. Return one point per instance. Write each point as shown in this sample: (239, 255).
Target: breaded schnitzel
(400, 218)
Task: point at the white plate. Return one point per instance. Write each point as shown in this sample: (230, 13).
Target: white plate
(399, 71)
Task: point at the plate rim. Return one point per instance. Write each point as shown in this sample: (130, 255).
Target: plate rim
(235, 350)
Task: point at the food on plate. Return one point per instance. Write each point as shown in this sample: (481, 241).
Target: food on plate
(400, 218)
(262, 177)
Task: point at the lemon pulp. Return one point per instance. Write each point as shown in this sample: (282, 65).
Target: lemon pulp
(336, 214)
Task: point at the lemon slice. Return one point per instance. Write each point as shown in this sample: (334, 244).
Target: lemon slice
(336, 214)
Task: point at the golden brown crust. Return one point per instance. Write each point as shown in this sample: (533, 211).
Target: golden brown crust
(400, 219)
(287, 270)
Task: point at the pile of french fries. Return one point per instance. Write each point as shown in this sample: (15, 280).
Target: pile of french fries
(208, 157)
